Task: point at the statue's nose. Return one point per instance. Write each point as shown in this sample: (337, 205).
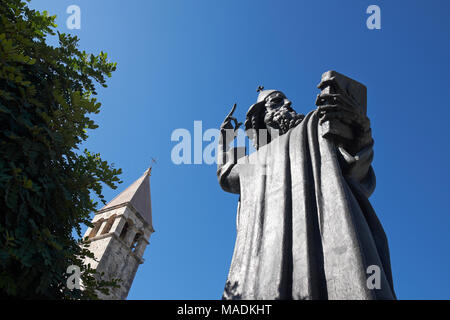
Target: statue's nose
(287, 102)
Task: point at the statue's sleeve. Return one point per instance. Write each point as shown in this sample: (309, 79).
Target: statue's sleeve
(228, 172)
(358, 168)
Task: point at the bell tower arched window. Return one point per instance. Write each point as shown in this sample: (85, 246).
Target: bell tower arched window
(124, 231)
(96, 227)
(109, 224)
(136, 240)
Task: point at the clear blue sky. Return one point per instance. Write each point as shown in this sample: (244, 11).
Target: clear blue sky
(180, 61)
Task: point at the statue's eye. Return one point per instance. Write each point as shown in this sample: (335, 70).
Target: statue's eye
(276, 100)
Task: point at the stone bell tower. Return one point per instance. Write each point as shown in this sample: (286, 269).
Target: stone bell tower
(121, 232)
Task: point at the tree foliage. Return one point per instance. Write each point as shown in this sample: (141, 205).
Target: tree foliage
(46, 183)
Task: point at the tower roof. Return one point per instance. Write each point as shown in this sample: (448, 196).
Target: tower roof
(138, 195)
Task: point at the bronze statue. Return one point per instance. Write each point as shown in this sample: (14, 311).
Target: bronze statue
(305, 226)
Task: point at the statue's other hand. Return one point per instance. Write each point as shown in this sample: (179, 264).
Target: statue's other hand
(338, 106)
(334, 107)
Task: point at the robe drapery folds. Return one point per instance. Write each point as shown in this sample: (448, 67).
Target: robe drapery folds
(305, 226)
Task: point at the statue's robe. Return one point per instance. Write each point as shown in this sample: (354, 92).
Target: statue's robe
(305, 226)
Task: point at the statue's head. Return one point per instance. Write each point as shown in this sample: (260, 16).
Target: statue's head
(270, 116)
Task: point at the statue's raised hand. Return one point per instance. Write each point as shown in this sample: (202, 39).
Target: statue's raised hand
(226, 124)
(228, 131)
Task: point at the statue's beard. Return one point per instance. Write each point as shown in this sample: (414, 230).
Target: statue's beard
(282, 119)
